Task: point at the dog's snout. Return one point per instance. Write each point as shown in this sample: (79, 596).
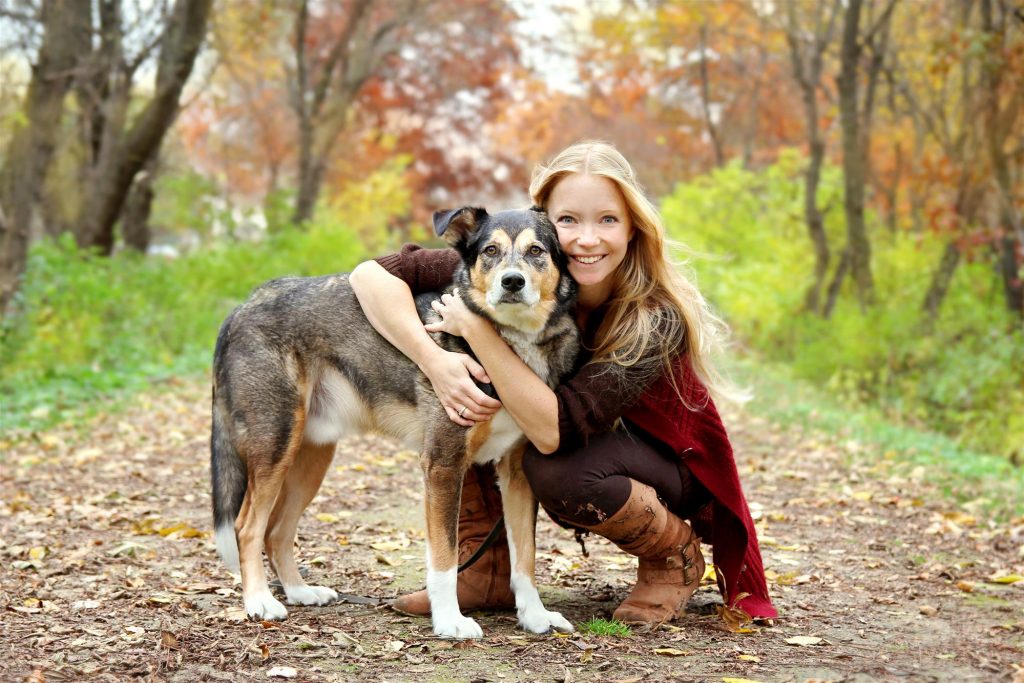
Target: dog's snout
(513, 282)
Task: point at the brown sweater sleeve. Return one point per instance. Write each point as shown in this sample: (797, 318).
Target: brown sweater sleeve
(598, 394)
(424, 270)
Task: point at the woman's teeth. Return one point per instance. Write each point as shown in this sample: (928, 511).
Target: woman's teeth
(588, 259)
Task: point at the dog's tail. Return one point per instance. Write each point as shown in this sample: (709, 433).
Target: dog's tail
(230, 479)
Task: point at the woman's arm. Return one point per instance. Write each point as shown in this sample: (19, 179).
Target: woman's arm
(585, 404)
(388, 304)
(530, 402)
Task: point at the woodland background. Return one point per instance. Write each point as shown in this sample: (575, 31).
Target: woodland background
(847, 176)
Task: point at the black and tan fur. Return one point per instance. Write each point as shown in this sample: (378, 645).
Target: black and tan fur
(298, 366)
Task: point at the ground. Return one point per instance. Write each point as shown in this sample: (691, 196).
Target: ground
(108, 571)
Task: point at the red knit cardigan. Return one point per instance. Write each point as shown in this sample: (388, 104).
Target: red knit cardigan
(697, 436)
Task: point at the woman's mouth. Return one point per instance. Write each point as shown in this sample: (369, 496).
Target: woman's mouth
(588, 260)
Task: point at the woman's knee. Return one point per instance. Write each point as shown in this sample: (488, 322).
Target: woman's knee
(542, 473)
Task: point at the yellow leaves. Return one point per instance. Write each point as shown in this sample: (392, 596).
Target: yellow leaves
(329, 518)
(182, 530)
(739, 680)
(748, 658)
(965, 586)
(672, 652)
(1006, 579)
(150, 527)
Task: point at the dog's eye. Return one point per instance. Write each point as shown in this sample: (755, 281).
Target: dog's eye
(535, 251)
(490, 250)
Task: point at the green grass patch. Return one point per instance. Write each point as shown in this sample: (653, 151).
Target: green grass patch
(87, 326)
(604, 627)
(988, 482)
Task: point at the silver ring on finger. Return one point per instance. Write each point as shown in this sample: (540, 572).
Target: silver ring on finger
(464, 409)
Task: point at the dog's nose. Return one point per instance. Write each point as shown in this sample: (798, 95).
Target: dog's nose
(513, 282)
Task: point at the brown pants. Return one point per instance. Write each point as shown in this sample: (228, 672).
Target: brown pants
(589, 485)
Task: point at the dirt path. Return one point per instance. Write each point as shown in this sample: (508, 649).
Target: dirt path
(108, 572)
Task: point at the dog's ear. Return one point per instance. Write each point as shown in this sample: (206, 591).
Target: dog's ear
(456, 225)
(538, 209)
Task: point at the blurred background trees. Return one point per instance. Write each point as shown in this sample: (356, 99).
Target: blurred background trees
(852, 166)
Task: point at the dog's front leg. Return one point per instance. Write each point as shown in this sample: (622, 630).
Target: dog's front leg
(443, 486)
(521, 524)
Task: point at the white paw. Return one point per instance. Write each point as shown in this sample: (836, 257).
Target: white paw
(309, 595)
(543, 621)
(264, 606)
(457, 627)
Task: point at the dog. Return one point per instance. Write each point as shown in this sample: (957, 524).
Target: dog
(298, 367)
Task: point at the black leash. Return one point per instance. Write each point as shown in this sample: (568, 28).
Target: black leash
(498, 529)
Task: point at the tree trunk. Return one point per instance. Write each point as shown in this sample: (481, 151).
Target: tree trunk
(941, 278)
(137, 208)
(705, 98)
(1000, 118)
(837, 283)
(28, 157)
(808, 76)
(132, 150)
(854, 156)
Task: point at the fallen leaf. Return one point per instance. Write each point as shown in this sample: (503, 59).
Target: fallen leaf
(168, 641)
(804, 640)
(739, 680)
(928, 610)
(748, 658)
(1006, 579)
(282, 672)
(672, 652)
(965, 586)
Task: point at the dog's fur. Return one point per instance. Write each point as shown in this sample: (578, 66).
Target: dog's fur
(298, 366)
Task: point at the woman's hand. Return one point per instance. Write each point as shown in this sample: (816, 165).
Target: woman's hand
(451, 375)
(455, 317)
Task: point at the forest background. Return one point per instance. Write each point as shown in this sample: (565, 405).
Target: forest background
(846, 176)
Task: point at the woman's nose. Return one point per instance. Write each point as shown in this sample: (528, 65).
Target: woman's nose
(587, 236)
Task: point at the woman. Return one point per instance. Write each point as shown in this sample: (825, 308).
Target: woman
(628, 447)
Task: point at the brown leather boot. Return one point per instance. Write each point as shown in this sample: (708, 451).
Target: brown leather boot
(671, 564)
(484, 584)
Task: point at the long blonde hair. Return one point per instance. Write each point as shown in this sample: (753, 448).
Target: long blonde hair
(652, 301)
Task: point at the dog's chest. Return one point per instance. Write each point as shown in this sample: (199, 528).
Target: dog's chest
(501, 433)
(535, 356)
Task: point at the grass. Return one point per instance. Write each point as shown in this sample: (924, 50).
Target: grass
(604, 627)
(988, 482)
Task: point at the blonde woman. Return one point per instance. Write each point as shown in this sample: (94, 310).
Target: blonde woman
(631, 445)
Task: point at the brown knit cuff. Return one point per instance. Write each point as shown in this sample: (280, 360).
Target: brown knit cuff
(391, 263)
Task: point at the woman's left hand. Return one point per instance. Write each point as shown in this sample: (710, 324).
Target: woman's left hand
(456, 319)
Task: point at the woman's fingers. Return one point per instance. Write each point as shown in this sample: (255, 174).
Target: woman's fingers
(453, 415)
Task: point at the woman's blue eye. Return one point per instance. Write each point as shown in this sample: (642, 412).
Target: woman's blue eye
(565, 219)
(609, 219)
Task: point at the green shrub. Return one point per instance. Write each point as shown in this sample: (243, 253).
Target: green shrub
(754, 262)
(88, 324)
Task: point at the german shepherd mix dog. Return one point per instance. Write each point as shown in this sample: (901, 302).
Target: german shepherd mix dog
(298, 366)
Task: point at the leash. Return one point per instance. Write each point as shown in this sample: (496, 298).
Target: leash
(498, 529)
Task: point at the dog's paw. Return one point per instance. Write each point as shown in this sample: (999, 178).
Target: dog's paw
(543, 621)
(458, 627)
(264, 606)
(309, 595)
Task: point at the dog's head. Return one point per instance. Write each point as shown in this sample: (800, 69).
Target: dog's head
(514, 271)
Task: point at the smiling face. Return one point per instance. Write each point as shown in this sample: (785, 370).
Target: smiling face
(594, 229)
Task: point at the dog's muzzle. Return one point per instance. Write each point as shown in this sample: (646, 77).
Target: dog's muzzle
(512, 287)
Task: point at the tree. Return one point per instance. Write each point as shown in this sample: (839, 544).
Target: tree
(35, 138)
(117, 145)
(855, 120)
(807, 51)
(368, 81)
